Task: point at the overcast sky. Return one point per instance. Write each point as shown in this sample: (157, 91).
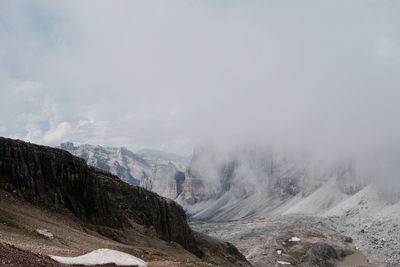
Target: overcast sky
(175, 74)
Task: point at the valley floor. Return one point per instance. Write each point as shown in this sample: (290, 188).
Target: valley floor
(261, 239)
(377, 237)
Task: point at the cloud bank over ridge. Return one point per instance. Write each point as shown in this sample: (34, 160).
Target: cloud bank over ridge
(320, 75)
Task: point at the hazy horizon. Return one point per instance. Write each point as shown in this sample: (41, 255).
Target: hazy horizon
(173, 75)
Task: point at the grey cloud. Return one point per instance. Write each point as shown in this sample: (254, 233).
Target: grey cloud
(320, 75)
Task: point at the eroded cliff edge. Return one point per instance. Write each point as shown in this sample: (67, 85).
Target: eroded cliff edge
(54, 179)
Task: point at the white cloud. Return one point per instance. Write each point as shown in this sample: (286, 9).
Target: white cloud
(173, 74)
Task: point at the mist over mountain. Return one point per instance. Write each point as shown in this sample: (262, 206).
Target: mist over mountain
(258, 118)
(225, 183)
(180, 75)
(249, 181)
(158, 156)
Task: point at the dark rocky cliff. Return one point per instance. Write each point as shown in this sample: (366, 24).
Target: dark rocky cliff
(55, 179)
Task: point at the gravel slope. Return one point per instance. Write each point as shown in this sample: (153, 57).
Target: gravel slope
(260, 239)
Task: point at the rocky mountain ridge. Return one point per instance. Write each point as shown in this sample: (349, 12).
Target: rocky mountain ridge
(251, 182)
(154, 170)
(56, 180)
(221, 185)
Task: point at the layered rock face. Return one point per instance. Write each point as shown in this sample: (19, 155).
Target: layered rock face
(119, 161)
(166, 180)
(57, 180)
(193, 188)
(156, 171)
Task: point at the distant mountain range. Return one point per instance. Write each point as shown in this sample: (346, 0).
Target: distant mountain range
(154, 170)
(257, 182)
(246, 182)
(156, 156)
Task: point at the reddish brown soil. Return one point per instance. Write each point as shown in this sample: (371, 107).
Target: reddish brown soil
(12, 256)
(18, 222)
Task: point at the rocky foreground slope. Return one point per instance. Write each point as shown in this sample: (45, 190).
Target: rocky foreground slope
(62, 183)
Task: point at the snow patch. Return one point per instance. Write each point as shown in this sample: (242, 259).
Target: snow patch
(284, 262)
(101, 257)
(294, 239)
(45, 233)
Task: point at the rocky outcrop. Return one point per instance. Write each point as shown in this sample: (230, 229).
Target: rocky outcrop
(153, 170)
(119, 161)
(193, 188)
(166, 180)
(160, 157)
(313, 248)
(54, 179)
(220, 252)
(57, 180)
(291, 240)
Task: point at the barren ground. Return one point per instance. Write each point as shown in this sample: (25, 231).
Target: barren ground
(259, 239)
(20, 245)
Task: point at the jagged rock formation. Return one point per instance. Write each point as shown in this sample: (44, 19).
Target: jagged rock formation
(160, 157)
(251, 181)
(119, 161)
(154, 170)
(166, 180)
(59, 181)
(193, 188)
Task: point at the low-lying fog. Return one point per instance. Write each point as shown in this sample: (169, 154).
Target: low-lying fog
(313, 78)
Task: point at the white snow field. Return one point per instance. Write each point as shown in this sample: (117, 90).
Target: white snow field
(102, 256)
